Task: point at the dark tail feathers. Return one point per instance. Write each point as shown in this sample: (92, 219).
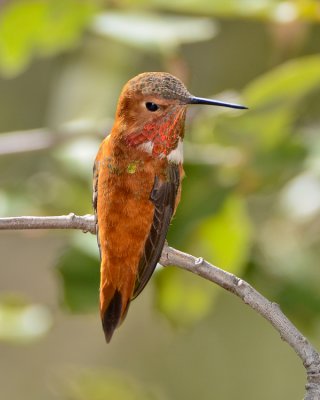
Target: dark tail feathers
(111, 317)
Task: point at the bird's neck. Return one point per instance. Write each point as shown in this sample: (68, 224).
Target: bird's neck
(159, 138)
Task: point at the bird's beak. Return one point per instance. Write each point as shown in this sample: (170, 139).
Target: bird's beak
(211, 102)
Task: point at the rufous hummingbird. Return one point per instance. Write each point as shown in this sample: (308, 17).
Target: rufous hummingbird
(137, 186)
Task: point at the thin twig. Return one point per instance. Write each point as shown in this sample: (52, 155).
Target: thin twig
(170, 256)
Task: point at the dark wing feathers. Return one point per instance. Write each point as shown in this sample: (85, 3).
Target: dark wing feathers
(95, 200)
(163, 196)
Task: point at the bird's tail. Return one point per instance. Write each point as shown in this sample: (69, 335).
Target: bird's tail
(114, 307)
(112, 315)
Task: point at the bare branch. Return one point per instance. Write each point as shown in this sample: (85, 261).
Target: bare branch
(85, 223)
(270, 311)
(170, 256)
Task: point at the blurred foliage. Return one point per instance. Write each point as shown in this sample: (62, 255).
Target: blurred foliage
(22, 322)
(154, 33)
(226, 236)
(250, 201)
(283, 11)
(182, 298)
(80, 276)
(39, 27)
(101, 385)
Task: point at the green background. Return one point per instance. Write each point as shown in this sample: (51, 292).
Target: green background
(250, 201)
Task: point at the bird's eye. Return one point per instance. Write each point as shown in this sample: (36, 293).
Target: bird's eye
(152, 106)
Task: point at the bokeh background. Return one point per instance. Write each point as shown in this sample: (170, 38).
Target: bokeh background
(250, 202)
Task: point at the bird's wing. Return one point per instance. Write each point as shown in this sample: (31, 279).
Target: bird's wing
(164, 196)
(96, 168)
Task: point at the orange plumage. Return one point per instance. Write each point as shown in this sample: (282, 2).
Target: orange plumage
(137, 184)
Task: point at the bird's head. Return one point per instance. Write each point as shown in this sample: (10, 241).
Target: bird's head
(151, 111)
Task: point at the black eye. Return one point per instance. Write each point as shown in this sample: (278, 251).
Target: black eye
(152, 106)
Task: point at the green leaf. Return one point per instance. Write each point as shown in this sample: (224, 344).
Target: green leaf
(19, 28)
(22, 322)
(39, 27)
(285, 84)
(79, 270)
(63, 24)
(225, 237)
(183, 298)
(265, 129)
(274, 100)
(201, 196)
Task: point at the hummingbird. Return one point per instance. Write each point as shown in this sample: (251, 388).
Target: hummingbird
(137, 178)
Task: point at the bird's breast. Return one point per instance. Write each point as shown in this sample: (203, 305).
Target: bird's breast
(125, 211)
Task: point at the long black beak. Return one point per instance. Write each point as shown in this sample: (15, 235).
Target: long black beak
(200, 100)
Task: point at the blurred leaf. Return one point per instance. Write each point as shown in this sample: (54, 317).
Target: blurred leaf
(217, 7)
(64, 23)
(21, 322)
(275, 10)
(99, 385)
(201, 196)
(79, 270)
(285, 84)
(42, 27)
(274, 100)
(154, 32)
(300, 300)
(268, 127)
(225, 237)
(183, 298)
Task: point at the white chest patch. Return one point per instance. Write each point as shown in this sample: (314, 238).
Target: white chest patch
(176, 155)
(147, 147)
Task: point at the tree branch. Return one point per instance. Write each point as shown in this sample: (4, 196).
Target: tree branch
(170, 256)
(85, 223)
(270, 311)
